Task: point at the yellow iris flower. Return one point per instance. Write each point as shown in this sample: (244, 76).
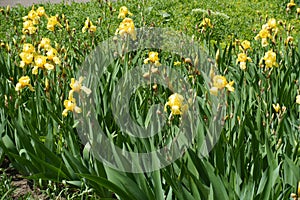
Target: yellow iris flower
(126, 27)
(276, 107)
(175, 102)
(242, 59)
(40, 11)
(206, 23)
(28, 48)
(153, 58)
(298, 99)
(70, 105)
(76, 86)
(88, 25)
(28, 27)
(24, 81)
(45, 43)
(270, 59)
(52, 22)
(220, 82)
(246, 45)
(123, 12)
(27, 58)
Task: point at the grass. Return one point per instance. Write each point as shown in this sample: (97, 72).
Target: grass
(257, 155)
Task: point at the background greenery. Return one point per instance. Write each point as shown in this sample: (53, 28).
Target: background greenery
(257, 155)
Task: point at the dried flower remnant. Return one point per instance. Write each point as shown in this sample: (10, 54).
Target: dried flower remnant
(288, 40)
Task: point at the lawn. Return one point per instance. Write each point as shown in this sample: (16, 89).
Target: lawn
(150, 100)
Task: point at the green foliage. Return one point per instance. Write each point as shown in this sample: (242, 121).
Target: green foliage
(258, 153)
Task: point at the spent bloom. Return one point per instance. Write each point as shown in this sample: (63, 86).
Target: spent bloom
(288, 40)
(153, 58)
(88, 25)
(126, 27)
(175, 102)
(123, 12)
(24, 81)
